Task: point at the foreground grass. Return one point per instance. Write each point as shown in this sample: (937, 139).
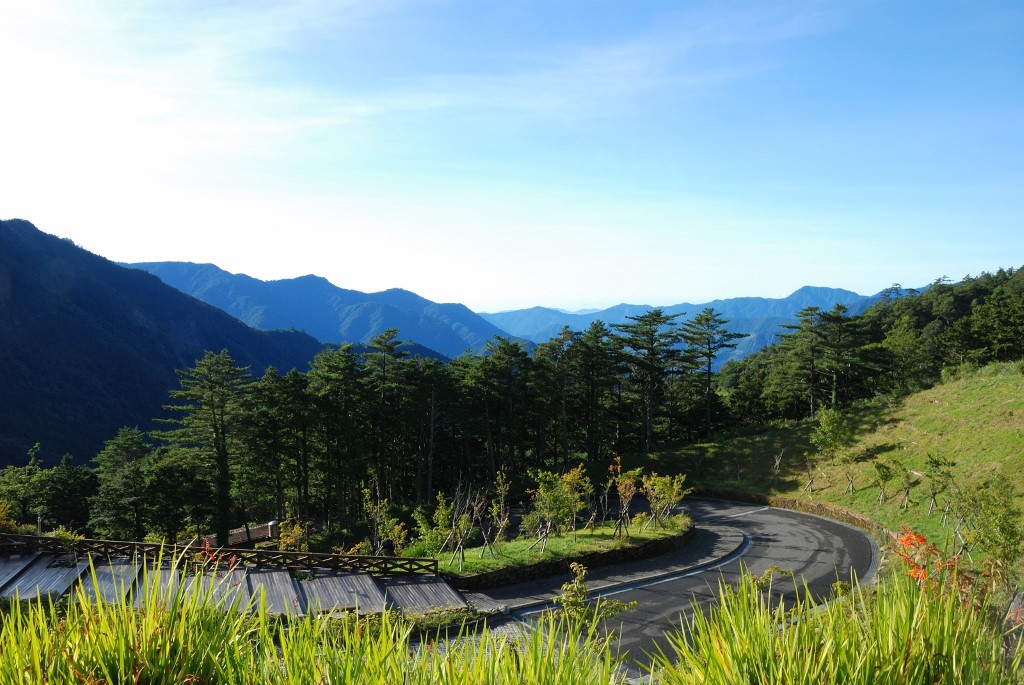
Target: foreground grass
(975, 419)
(902, 632)
(527, 551)
(179, 635)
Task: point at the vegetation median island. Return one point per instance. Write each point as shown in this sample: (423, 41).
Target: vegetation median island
(521, 560)
(474, 538)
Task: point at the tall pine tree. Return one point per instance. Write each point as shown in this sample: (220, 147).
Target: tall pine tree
(651, 352)
(211, 407)
(707, 336)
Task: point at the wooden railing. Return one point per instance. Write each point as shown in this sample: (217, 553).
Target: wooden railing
(378, 566)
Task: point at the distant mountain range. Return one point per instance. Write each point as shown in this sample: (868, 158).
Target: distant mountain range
(327, 312)
(334, 315)
(87, 346)
(758, 317)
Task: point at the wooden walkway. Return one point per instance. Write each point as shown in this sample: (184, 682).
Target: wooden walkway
(383, 567)
(287, 584)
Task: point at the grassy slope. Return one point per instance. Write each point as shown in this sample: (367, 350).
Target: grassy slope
(976, 420)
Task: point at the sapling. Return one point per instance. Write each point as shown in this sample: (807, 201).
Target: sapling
(809, 459)
(997, 524)
(848, 459)
(664, 493)
(907, 478)
(885, 474)
(777, 465)
(939, 472)
(575, 605)
(627, 484)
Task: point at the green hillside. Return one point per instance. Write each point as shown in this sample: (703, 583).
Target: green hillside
(974, 418)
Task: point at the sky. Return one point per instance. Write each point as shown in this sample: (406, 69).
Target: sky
(506, 154)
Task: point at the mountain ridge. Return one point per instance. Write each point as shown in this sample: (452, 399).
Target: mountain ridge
(87, 346)
(328, 312)
(333, 314)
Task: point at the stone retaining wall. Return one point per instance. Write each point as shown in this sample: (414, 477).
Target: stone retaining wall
(818, 508)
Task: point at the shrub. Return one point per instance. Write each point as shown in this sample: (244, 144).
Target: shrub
(576, 608)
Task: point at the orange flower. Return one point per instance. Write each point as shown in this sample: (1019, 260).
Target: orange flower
(918, 573)
(910, 538)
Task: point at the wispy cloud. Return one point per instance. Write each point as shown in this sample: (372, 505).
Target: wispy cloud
(204, 73)
(580, 77)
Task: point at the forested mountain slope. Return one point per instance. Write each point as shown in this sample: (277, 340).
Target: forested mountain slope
(327, 312)
(87, 346)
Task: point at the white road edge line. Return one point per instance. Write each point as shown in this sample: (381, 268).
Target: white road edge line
(745, 513)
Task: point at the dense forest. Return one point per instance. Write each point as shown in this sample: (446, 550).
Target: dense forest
(312, 444)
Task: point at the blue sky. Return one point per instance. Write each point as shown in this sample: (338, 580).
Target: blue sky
(508, 154)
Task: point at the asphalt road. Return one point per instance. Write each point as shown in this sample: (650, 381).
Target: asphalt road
(817, 550)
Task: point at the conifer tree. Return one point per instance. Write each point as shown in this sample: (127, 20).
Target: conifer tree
(600, 378)
(338, 400)
(801, 367)
(652, 355)
(707, 336)
(210, 397)
(118, 510)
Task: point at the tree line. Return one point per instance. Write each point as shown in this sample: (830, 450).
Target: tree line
(311, 444)
(901, 344)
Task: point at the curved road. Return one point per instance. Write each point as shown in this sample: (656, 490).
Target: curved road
(818, 550)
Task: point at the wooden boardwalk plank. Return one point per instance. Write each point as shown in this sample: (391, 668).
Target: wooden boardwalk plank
(11, 566)
(278, 589)
(45, 580)
(331, 591)
(420, 594)
(111, 579)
